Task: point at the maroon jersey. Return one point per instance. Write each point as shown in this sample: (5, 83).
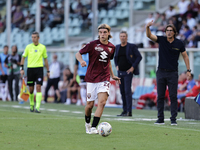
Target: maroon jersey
(99, 60)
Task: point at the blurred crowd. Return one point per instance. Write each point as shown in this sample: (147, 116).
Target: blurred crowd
(52, 13)
(187, 87)
(186, 18)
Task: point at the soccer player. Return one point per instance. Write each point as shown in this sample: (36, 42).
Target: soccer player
(35, 53)
(98, 74)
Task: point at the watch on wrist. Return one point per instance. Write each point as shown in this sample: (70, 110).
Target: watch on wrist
(48, 71)
(189, 70)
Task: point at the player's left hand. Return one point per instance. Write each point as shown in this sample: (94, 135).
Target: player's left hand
(130, 70)
(116, 79)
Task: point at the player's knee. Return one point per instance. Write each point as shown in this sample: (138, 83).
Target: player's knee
(89, 105)
(38, 88)
(102, 103)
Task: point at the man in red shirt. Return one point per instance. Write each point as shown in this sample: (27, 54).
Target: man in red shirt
(98, 74)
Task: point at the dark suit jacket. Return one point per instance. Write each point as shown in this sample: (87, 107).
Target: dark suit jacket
(132, 54)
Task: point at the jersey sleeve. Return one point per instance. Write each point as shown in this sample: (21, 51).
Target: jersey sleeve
(182, 49)
(6, 60)
(19, 58)
(45, 53)
(158, 39)
(25, 53)
(111, 57)
(86, 49)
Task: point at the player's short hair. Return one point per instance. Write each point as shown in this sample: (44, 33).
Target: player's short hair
(173, 27)
(105, 26)
(6, 46)
(36, 33)
(124, 32)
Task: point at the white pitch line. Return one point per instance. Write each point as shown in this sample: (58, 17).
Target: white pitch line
(26, 107)
(31, 118)
(106, 115)
(77, 112)
(64, 111)
(192, 123)
(163, 126)
(52, 110)
(16, 106)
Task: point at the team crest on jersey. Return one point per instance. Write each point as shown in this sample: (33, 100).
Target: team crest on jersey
(110, 49)
(89, 95)
(97, 48)
(36, 50)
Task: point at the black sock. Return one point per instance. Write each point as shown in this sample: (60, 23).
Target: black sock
(87, 119)
(95, 121)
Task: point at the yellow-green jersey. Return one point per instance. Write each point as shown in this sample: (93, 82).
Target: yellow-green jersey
(35, 55)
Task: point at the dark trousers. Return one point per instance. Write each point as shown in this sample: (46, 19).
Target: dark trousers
(10, 85)
(51, 82)
(169, 79)
(125, 89)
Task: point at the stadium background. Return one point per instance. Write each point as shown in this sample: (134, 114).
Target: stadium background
(65, 35)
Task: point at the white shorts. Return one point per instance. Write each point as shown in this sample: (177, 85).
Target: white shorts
(94, 88)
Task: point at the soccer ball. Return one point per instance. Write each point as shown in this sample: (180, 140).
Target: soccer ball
(104, 129)
(19, 98)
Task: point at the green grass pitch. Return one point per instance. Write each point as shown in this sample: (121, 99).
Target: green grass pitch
(61, 127)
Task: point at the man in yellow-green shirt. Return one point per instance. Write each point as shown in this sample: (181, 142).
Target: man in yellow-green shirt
(35, 53)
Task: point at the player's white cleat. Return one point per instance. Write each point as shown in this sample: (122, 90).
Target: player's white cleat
(93, 130)
(87, 127)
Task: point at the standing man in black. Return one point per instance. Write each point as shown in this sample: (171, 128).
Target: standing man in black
(127, 58)
(12, 62)
(167, 74)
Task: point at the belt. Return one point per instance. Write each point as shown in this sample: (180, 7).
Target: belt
(167, 70)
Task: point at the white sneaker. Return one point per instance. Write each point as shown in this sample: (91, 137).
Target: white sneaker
(78, 103)
(93, 130)
(67, 103)
(87, 127)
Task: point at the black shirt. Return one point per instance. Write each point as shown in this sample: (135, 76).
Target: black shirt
(123, 62)
(169, 53)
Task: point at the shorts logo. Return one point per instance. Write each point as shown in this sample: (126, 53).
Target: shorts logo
(36, 50)
(89, 95)
(39, 79)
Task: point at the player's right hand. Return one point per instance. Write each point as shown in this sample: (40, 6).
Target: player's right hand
(83, 64)
(22, 72)
(150, 23)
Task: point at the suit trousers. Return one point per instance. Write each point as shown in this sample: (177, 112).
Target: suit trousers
(125, 89)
